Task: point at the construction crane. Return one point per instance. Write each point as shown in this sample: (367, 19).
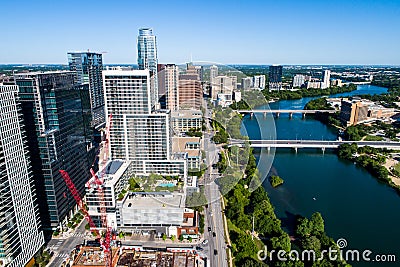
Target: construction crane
(78, 200)
(106, 150)
(96, 183)
(104, 242)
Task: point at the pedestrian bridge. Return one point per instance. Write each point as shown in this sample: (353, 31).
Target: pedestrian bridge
(314, 143)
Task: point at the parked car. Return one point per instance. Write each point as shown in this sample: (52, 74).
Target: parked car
(209, 229)
(214, 234)
(215, 252)
(205, 242)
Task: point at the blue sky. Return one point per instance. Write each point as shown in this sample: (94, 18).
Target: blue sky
(243, 32)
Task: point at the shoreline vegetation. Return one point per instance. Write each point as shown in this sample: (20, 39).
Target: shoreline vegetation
(247, 202)
(371, 159)
(275, 181)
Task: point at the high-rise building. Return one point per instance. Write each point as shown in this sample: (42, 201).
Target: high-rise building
(326, 77)
(275, 77)
(223, 85)
(20, 237)
(139, 134)
(299, 80)
(56, 115)
(88, 67)
(213, 72)
(147, 59)
(190, 92)
(168, 75)
(247, 83)
(192, 69)
(259, 82)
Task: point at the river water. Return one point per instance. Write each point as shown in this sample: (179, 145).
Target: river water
(355, 205)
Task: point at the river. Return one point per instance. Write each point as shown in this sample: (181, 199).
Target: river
(355, 205)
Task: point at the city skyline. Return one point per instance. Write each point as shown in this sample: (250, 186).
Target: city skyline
(355, 33)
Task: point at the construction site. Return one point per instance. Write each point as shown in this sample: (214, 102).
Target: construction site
(127, 257)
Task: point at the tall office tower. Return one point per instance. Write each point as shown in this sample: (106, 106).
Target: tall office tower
(168, 75)
(213, 72)
(326, 77)
(259, 82)
(247, 83)
(147, 59)
(88, 67)
(190, 92)
(192, 69)
(56, 114)
(299, 80)
(20, 237)
(138, 134)
(275, 77)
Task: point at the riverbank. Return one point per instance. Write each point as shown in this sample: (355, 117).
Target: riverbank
(248, 206)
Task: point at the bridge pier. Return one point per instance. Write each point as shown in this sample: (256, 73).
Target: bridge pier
(265, 115)
(323, 150)
(303, 116)
(277, 114)
(291, 115)
(295, 149)
(251, 115)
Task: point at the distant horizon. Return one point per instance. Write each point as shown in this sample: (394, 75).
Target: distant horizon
(211, 63)
(340, 32)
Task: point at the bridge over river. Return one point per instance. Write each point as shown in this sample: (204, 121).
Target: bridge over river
(314, 144)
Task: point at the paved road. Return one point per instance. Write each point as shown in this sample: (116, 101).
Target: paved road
(62, 247)
(213, 212)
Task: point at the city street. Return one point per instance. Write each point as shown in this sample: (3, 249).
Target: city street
(216, 242)
(63, 246)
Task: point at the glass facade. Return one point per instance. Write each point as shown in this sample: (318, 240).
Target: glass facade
(147, 59)
(57, 123)
(20, 237)
(88, 68)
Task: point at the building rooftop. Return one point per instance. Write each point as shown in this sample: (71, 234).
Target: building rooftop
(152, 200)
(188, 113)
(179, 144)
(126, 72)
(34, 73)
(112, 172)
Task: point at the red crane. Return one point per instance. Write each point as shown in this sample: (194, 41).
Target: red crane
(78, 200)
(97, 183)
(105, 242)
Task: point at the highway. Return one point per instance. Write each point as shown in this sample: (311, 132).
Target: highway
(314, 143)
(213, 213)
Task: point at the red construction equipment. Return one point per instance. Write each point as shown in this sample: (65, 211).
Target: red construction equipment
(106, 149)
(96, 183)
(78, 200)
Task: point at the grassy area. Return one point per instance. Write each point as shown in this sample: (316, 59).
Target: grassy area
(397, 167)
(373, 138)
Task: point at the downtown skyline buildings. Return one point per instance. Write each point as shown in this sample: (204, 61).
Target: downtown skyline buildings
(20, 234)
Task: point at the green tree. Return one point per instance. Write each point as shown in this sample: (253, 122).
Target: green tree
(281, 242)
(317, 223)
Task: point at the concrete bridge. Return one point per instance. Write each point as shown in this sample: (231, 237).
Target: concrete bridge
(295, 144)
(277, 112)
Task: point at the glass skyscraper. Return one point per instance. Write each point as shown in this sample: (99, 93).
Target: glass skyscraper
(20, 237)
(147, 59)
(88, 67)
(275, 77)
(57, 116)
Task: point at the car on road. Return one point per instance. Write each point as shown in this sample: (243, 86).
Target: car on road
(205, 242)
(215, 252)
(214, 234)
(209, 229)
(199, 248)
